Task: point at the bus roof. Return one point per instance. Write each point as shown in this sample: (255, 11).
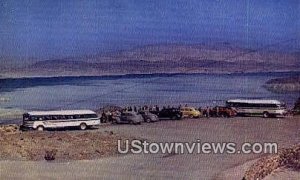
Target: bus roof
(61, 112)
(254, 101)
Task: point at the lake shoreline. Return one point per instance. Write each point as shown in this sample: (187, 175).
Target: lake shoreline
(284, 85)
(163, 74)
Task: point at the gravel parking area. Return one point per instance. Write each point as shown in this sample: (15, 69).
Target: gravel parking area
(284, 131)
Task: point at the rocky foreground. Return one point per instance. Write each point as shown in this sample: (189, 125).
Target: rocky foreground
(284, 131)
(56, 145)
(286, 158)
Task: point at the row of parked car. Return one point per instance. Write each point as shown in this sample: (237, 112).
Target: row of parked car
(153, 115)
(138, 117)
(83, 119)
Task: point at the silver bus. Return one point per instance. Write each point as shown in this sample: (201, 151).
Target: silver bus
(40, 120)
(265, 108)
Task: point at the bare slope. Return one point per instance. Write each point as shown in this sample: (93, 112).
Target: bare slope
(221, 58)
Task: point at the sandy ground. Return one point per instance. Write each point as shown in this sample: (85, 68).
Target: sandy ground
(283, 174)
(285, 132)
(236, 172)
(60, 144)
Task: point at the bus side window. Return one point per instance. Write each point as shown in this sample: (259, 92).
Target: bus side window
(274, 106)
(33, 118)
(85, 116)
(90, 116)
(62, 117)
(93, 115)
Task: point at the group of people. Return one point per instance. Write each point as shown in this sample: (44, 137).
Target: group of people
(108, 115)
(205, 111)
(142, 108)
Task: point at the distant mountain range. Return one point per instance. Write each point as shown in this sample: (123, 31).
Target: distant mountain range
(172, 58)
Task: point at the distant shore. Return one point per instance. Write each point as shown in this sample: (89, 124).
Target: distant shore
(216, 58)
(163, 74)
(283, 85)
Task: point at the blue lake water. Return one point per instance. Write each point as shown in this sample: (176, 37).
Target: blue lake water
(161, 89)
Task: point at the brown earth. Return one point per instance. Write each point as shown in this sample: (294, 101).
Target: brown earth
(286, 158)
(63, 145)
(167, 58)
(283, 131)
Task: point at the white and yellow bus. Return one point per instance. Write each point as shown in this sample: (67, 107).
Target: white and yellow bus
(250, 107)
(40, 120)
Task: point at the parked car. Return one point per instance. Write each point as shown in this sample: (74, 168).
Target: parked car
(128, 117)
(222, 112)
(168, 113)
(148, 116)
(190, 112)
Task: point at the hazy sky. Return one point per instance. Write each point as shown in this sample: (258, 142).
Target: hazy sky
(48, 29)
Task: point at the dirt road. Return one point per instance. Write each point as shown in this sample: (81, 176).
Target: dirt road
(285, 132)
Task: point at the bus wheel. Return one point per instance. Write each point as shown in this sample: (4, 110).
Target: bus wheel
(266, 115)
(40, 128)
(83, 126)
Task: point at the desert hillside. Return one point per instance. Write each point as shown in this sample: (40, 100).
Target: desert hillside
(172, 58)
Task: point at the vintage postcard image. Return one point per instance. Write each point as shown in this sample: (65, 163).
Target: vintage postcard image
(149, 89)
